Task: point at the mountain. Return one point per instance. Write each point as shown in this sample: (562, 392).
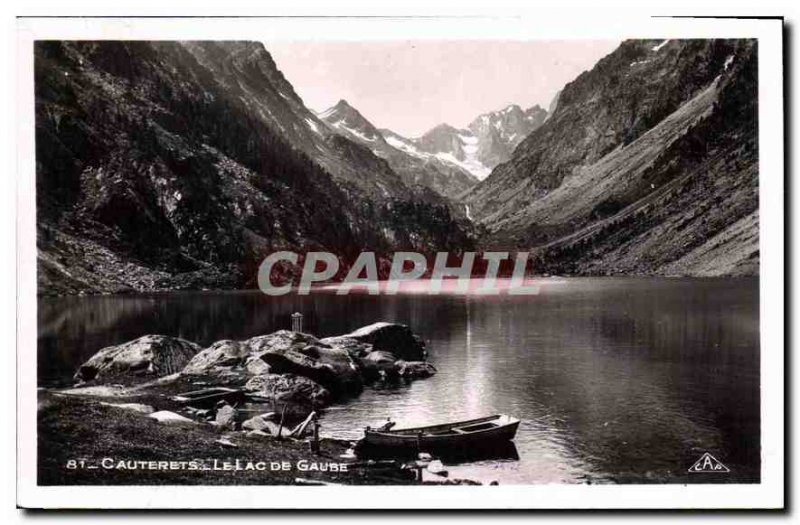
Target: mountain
(499, 132)
(346, 118)
(414, 168)
(487, 141)
(553, 105)
(164, 165)
(648, 165)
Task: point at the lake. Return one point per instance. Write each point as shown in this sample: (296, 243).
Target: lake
(614, 379)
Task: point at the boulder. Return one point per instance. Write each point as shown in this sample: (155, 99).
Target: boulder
(222, 354)
(390, 337)
(378, 364)
(333, 368)
(277, 341)
(302, 354)
(148, 357)
(276, 430)
(201, 413)
(260, 422)
(254, 423)
(289, 388)
(415, 369)
(226, 417)
(166, 417)
(256, 367)
(135, 407)
(339, 364)
(228, 358)
(380, 359)
(356, 349)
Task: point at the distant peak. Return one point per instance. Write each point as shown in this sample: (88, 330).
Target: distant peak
(386, 132)
(340, 109)
(443, 127)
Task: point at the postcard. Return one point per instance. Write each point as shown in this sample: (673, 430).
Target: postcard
(437, 262)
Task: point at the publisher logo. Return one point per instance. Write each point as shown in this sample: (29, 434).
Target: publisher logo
(708, 463)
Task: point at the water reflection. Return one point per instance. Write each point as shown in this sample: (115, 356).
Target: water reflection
(614, 379)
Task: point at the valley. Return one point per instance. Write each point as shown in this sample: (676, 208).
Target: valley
(181, 165)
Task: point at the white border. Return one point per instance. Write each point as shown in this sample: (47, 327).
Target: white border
(547, 24)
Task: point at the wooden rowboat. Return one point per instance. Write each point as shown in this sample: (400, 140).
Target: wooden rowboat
(208, 397)
(473, 433)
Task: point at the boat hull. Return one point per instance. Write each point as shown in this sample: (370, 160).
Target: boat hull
(209, 397)
(442, 437)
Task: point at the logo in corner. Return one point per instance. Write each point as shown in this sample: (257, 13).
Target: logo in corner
(708, 463)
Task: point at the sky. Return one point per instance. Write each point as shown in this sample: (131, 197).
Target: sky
(412, 86)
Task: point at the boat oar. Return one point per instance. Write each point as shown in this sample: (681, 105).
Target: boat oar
(300, 429)
(280, 425)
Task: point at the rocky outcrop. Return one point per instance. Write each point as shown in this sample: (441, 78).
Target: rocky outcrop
(148, 357)
(378, 364)
(220, 355)
(224, 357)
(341, 364)
(276, 366)
(289, 369)
(331, 367)
(282, 352)
(384, 366)
(397, 339)
(291, 388)
(414, 369)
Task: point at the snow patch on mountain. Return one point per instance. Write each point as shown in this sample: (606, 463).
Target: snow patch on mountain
(357, 133)
(469, 147)
(659, 46)
(728, 62)
(313, 126)
(414, 166)
(405, 146)
(471, 164)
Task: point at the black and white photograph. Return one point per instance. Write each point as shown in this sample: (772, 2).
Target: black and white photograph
(489, 262)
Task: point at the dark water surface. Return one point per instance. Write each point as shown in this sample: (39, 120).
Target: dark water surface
(615, 379)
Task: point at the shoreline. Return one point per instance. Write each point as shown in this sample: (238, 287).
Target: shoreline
(83, 440)
(128, 420)
(96, 440)
(332, 287)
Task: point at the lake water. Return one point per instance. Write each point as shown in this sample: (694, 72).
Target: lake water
(614, 379)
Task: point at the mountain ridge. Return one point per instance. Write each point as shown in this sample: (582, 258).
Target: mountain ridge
(180, 165)
(630, 174)
(488, 139)
(415, 169)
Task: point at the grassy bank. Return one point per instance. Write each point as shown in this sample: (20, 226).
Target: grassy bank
(74, 429)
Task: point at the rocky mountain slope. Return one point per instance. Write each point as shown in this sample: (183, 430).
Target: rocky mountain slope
(499, 132)
(487, 141)
(165, 165)
(427, 171)
(647, 165)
